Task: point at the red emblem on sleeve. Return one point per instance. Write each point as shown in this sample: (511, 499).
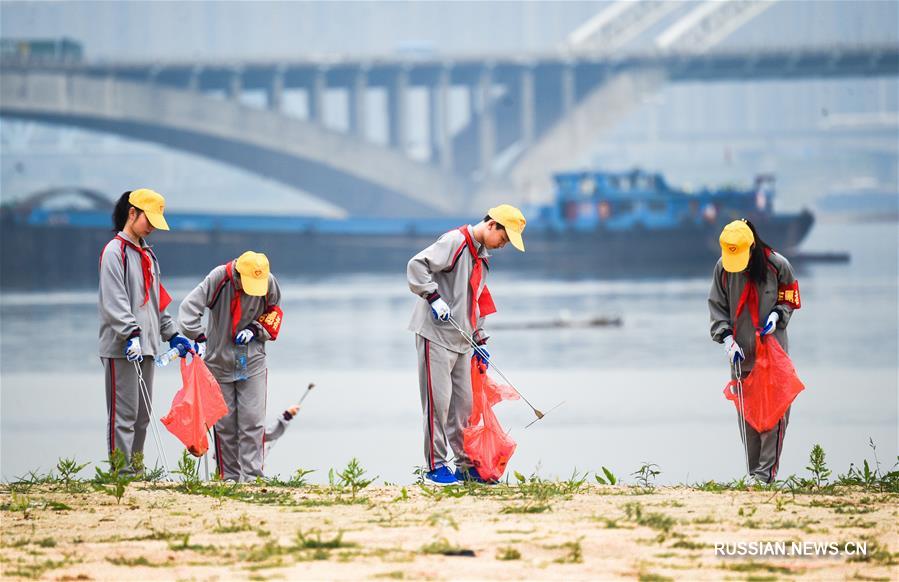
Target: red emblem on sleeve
(789, 295)
(271, 321)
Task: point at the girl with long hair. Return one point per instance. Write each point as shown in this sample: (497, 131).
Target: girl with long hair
(133, 318)
(753, 291)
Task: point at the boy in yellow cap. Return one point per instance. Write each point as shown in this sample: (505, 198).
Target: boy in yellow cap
(450, 277)
(242, 297)
(133, 318)
(753, 289)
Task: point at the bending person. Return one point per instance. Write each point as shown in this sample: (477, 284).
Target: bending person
(752, 283)
(242, 297)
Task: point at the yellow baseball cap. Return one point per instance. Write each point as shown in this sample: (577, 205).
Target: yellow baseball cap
(513, 220)
(153, 205)
(254, 270)
(736, 243)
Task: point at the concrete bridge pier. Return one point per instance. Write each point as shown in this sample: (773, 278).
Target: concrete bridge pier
(235, 85)
(275, 92)
(193, 79)
(527, 107)
(567, 88)
(487, 123)
(357, 103)
(441, 140)
(316, 91)
(397, 110)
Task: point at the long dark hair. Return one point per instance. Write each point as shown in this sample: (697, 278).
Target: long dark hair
(758, 260)
(120, 212)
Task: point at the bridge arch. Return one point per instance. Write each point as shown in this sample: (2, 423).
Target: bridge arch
(363, 178)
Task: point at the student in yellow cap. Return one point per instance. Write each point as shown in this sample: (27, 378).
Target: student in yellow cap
(450, 277)
(242, 298)
(753, 289)
(133, 318)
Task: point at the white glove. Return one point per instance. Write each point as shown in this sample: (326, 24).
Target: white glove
(244, 337)
(200, 348)
(133, 352)
(771, 324)
(734, 351)
(440, 310)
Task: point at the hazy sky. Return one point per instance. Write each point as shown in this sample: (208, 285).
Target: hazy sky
(212, 30)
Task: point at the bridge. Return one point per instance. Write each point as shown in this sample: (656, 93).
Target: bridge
(362, 177)
(527, 113)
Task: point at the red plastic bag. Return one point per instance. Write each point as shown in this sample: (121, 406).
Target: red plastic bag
(770, 387)
(197, 406)
(484, 440)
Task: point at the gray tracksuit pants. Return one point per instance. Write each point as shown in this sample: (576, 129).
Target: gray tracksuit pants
(128, 411)
(239, 436)
(764, 448)
(444, 378)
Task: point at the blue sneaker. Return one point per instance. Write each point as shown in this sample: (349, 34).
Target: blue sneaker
(441, 476)
(471, 474)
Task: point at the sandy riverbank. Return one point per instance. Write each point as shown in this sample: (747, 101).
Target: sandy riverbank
(158, 532)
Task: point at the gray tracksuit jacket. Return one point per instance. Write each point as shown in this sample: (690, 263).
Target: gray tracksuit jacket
(215, 293)
(275, 430)
(122, 312)
(724, 297)
(445, 267)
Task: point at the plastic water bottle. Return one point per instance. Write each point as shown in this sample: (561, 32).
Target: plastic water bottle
(164, 359)
(241, 352)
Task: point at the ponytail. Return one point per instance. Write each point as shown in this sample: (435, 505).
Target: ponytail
(758, 260)
(120, 212)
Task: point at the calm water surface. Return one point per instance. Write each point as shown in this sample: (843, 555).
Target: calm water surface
(649, 390)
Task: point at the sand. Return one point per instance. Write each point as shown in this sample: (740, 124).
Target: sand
(158, 532)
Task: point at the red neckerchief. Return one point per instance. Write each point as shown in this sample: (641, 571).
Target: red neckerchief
(147, 267)
(749, 295)
(480, 303)
(235, 299)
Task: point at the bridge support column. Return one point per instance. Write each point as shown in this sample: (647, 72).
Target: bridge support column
(442, 145)
(153, 75)
(434, 123)
(358, 92)
(528, 119)
(568, 81)
(487, 125)
(276, 91)
(235, 85)
(317, 97)
(193, 82)
(397, 110)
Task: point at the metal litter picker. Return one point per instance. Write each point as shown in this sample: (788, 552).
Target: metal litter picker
(481, 352)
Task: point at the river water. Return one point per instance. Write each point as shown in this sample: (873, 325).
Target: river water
(647, 391)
